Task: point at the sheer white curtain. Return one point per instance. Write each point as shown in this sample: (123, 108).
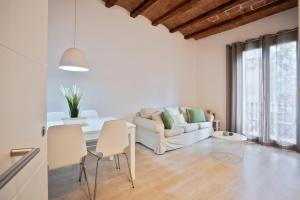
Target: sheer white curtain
(263, 89)
(252, 91)
(283, 93)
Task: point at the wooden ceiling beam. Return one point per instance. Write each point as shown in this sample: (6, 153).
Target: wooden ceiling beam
(142, 7)
(251, 16)
(181, 8)
(208, 14)
(110, 3)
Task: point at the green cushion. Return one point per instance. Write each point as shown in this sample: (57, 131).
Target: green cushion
(167, 120)
(196, 115)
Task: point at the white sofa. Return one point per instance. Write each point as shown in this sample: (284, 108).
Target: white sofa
(152, 133)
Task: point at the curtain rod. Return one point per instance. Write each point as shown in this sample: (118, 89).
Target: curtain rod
(274, 34)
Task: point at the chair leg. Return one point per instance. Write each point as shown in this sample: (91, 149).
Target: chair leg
(119, 162)
(86, 180)
(95, 188)
(129, 170)
(116, 162)
(81, 165)
(80, 172)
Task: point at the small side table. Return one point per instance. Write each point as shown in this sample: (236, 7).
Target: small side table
(234, 152)
(234, 137)
(217, 125)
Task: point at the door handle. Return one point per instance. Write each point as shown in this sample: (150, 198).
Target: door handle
(27, 154)
(43, 131)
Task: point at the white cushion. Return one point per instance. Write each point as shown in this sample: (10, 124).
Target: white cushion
(183, 111)
(173, 110)
(178, 119)
(191, 127)
(205, 124)
(147, 112)
(173, 132)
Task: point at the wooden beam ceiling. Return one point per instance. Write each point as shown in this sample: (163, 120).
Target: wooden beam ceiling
(142, 7)
(262, 12)
(181, 8)
(208, 14)
(201, 18)
(110, 3)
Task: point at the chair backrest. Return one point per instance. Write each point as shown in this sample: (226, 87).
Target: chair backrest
(89, 114)
(55, 116)
(66, 145)
(113, 138)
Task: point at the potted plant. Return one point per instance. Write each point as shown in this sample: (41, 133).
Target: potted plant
(73, 96)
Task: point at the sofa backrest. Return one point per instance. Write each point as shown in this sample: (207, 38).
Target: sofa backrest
(147, 112)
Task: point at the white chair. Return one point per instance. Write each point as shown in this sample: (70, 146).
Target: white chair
(55, 116)
(112, 141)
(89, 114)
(66, 146)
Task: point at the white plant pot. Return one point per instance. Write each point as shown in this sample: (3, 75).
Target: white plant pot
(77, 120)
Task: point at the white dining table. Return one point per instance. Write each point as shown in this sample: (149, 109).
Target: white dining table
(91, 129)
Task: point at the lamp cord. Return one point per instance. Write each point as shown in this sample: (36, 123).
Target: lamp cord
(75, 23)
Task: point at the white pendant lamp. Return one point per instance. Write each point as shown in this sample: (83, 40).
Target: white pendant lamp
(73, 59)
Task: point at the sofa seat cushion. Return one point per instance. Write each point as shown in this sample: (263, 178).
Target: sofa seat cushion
(174, 131)
(204, 125)
(189, 127)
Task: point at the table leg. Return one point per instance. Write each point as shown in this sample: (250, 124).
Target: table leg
(132, 151)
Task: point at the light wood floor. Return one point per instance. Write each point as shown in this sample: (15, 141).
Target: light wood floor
(210, 170)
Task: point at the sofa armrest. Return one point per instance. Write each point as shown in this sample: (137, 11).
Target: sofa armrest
(149, 124)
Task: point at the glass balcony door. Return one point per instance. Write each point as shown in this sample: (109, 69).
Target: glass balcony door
(252, 109)
(283, 93)
(270, 93)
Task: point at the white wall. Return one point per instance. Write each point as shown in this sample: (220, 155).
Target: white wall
(133, 64)
(211, 55)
